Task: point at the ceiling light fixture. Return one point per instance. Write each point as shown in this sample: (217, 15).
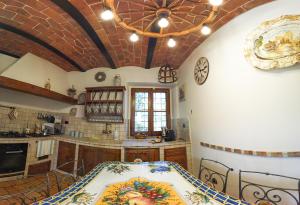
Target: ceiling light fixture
(163, 22)
(162, 19)
(107, 15)
(134, 37)
(171, 43)
(216, 2)
(205, 30)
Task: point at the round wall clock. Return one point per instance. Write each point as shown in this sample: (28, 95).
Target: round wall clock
(201, 70)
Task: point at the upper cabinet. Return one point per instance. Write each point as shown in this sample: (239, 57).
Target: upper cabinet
(105, 104)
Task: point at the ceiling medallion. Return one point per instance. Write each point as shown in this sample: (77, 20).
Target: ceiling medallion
(163, 18)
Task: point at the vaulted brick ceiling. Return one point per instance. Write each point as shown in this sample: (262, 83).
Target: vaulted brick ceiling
(45, 29)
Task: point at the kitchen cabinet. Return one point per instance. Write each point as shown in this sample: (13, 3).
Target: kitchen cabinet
(66, 153)
(39, 168)
(147, 155)
(177, 155)
(92, 156)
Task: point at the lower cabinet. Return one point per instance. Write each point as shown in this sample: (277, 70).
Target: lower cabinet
(39, 168)
(66, 153)
(92, 156)
(177, 155)
(147, 155)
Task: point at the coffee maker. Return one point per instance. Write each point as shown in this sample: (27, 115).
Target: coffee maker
(168, 134)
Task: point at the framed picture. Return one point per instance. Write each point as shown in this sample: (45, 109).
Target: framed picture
(181, 93)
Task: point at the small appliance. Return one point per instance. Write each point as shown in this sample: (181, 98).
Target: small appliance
(170, 135)
(52, 128)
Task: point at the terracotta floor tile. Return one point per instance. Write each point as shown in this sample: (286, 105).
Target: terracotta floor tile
(24, 185)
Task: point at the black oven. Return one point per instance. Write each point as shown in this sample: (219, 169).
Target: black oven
(12, 158)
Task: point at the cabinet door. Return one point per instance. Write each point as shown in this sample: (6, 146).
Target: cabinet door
(39, 168)
(147, 155)
(91, 156)
(66, 153)
(110, 155)
(177, 155)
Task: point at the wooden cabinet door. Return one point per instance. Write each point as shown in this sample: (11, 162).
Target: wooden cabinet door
(66, 153)
(39, 168)
(110, 155)
(177, 155)
(147, 155)
(91, 156)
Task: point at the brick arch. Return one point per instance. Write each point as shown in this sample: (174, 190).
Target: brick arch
(19, 46)
(46, 21)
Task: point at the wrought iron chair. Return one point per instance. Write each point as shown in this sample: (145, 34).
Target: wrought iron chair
(64, 179)
(210, 176)
(264, 194)
(39, 190)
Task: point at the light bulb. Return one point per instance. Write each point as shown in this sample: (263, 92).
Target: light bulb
(171, 43)
(216, 2)
(134, 37)
(205, 30)
(107, 15)
(163, 22)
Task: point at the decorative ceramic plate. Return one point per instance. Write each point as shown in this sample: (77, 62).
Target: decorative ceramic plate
(275, 43)
(100, 76)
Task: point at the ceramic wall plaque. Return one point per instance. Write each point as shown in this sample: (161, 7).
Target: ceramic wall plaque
(274, 44)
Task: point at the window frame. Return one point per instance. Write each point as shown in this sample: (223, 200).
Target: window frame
(150, 92)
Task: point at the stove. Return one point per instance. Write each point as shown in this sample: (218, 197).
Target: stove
(12, 134)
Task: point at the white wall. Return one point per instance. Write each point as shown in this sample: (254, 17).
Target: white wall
(240, 106)
(6, 61)
(35, 70)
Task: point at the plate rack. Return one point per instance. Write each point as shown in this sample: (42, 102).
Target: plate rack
(105, 104)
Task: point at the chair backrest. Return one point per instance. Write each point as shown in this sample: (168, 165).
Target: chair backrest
(265, 192)
(77, 171)
(214, 173)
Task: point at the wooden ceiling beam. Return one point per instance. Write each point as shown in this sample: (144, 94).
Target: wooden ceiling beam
(41, 42)
(9, 54)
(83, 22)
(151, 46)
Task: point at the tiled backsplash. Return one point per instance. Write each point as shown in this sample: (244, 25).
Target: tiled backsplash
(28, 118)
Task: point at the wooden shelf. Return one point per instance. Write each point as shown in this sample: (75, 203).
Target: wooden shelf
(106, 88)
(105, 101)
(113, 96)
(12, 84)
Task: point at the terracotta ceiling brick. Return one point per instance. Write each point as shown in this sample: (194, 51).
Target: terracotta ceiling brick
(186, 44)
(18, 45)
(48, 22)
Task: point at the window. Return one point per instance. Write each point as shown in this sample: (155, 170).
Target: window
(150, 110)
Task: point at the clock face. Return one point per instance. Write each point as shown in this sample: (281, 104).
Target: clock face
(201, 70)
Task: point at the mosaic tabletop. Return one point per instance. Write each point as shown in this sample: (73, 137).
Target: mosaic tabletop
(157, 183)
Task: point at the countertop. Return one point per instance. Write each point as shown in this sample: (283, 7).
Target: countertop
(99, 141)
(121, 143)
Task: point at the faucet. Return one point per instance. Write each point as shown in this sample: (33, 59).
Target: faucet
(107, 129)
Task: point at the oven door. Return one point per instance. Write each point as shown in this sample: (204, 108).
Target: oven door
(12, 157)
